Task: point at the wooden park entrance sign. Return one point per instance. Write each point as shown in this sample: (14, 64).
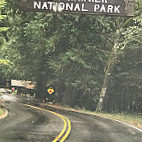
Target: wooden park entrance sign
(105, 7)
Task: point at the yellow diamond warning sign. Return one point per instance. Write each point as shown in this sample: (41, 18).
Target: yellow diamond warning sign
(50, 90)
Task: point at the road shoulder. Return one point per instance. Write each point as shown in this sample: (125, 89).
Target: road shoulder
(96, 114)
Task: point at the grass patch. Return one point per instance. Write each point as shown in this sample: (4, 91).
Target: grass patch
(1, 111)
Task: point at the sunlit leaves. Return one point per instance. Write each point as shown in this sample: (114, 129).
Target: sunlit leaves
(3, 61)
(2, 4)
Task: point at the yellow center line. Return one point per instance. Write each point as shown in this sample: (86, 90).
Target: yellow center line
(62, 132)
(68, 131)
(65, 120)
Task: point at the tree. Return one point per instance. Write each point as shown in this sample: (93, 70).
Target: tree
(119, 45)
(40, 40)
(75, 54)
(124, 91)
(113, 59)
(2, 5)
(78, 69)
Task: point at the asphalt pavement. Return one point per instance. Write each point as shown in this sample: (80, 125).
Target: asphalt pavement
(25, 124)
(90, 128)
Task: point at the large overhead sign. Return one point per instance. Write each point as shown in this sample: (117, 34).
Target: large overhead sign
(110, 7)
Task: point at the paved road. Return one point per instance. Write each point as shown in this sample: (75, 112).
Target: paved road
(25, 124)
(89, 128)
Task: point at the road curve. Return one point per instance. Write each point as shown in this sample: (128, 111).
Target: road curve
(90, 128)
(26, 124)
(67, 124)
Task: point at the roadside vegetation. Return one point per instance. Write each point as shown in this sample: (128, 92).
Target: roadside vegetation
(1, 111)
(135, 120)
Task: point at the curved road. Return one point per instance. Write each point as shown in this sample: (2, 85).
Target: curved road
(90, 128)
(26, 124)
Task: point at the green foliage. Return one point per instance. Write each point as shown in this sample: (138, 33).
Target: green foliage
(2, 5)
(1, 111)
(71, 52)
(3, 61)
(126, 79)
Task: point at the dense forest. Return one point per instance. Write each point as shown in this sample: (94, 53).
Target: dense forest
(93, 62)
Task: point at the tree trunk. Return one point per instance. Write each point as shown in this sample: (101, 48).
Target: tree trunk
(67, 98)
(41, 85)
(103, 91)
(41, 77)
(110, 64)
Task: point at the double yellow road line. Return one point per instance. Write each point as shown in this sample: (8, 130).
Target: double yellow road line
(67, 125)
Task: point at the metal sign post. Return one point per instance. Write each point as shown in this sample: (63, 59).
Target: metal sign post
(105, 7)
